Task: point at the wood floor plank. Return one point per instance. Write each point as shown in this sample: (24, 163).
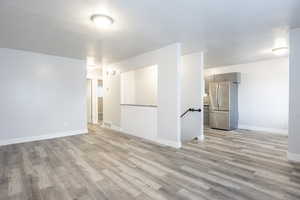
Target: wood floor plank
(104, 164)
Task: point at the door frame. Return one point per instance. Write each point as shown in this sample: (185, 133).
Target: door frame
(89, 101)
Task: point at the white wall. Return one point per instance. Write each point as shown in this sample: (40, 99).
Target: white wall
(42, 96)
(128, 94)
(139, 86)
(168, 113)
(94, 73)
(139, 121)
(100, 91)
(146, 85)
(192, 90)
(263, 94)
(111, 99)
(294, 114)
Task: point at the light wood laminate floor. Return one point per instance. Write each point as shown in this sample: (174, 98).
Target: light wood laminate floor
(107, 165)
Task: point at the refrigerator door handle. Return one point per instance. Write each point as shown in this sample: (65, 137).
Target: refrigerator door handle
(217, 96)
(220, 97)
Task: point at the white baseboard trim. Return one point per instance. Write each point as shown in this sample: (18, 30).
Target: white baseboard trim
(264, 129)
(109, 125)
(201, 137)
(159, 141)
(293, 157)
(169, 143)
(42, 137)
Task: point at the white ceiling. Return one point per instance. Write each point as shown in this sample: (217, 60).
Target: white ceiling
(229, 31)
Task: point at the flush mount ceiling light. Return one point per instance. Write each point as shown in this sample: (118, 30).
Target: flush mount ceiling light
(280, 51)
(102, 21)
(280, 47)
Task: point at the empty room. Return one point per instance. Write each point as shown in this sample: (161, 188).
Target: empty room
(150, 100)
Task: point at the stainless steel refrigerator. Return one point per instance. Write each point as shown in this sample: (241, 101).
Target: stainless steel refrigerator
(223, 92)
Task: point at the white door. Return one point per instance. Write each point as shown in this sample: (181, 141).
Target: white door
(89, 100)
(192, 90)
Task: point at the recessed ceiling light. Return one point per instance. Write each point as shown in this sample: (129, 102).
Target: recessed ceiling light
(102, 21)
(280, 51)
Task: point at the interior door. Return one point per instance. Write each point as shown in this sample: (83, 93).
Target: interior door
(224, 96)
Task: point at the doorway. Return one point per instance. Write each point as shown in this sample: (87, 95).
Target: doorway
(89, 105)
(100, 101)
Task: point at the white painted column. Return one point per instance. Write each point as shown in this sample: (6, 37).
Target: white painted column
(168, 96)
(192, 90)
(294, 107)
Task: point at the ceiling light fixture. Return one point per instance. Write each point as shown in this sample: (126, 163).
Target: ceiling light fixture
(280, 51)
(102, 21)
(280, 47)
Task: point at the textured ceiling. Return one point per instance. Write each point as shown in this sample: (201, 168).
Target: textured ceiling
(230, 32)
